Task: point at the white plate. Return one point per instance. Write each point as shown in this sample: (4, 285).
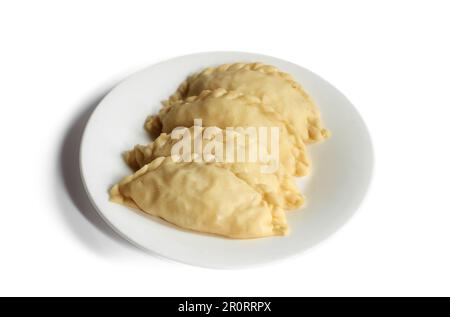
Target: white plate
(342, 166)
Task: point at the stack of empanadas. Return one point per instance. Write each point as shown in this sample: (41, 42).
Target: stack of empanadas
(236, 198)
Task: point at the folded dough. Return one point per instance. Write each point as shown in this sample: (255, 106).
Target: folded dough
(224, 109)
(277, 89)
(202, 197)
(277, 187)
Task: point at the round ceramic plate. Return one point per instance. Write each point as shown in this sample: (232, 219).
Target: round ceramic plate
(342, 166)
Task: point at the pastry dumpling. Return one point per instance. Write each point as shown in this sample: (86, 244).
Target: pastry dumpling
(224, 109)
(187, 177)
(277, 89)
(277, 187)
(202, 197)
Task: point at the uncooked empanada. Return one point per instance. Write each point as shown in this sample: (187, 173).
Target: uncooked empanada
(277, 89)
(278, 187)
(224, 109)
(202, 197)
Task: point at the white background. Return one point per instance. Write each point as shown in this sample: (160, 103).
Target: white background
(57, 59)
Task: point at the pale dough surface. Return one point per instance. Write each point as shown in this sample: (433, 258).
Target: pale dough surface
(233, 199)
(201, 197)
(224, 109)
(278, 187)
(275, 88)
